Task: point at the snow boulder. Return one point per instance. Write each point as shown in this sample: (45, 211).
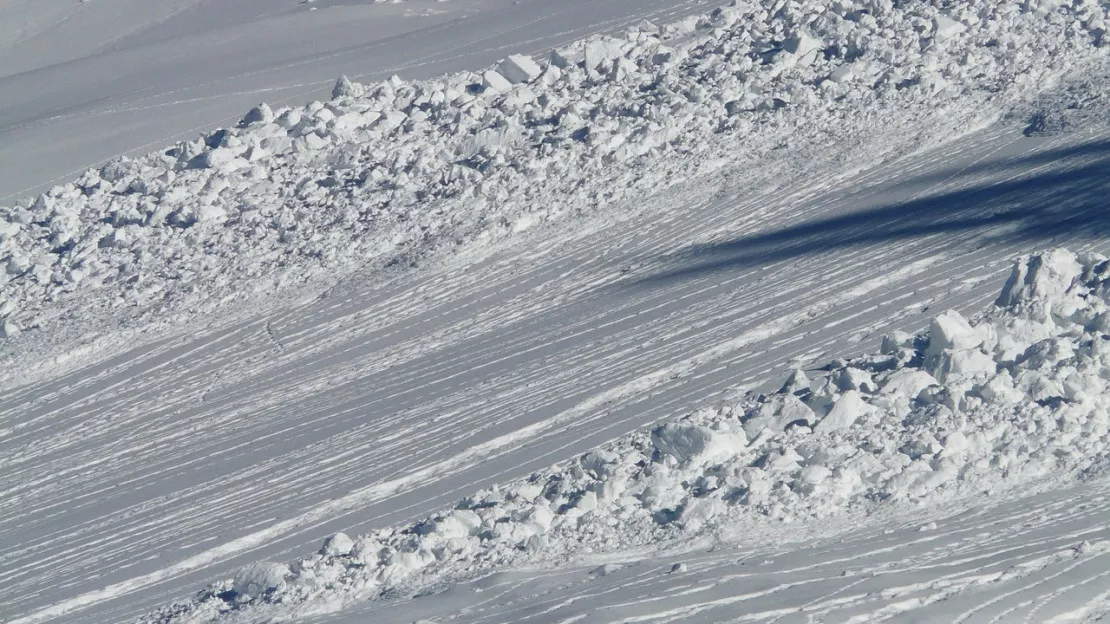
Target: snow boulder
(776, 413)
(345, 88)
(952, 365)
(259, 578)
(600, 51)
(907, 382)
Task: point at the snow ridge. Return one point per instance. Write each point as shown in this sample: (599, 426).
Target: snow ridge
(390, 173)
(1014, 397)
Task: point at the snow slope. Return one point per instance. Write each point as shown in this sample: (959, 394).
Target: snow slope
(1012, 399)
(133, 476)
(178, 462)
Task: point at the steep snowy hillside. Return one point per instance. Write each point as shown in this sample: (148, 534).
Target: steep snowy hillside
(349, 315)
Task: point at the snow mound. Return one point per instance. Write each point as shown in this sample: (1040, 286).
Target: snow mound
(257, 579)
(1016, 396)
(391, 172)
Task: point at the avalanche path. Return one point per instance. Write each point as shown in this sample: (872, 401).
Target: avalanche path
(134, 480)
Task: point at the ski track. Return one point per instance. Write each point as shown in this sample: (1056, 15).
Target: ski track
(170, 465)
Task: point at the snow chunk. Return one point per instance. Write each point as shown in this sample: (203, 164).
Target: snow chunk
(338, 545)
(945, 27)
(519, 68)
(908, 382)
(686, 442)
(261, 114)
(599, 52)
(495, 82)
(804, 46)
(950, 330)
(1040, 276)
(345, 88)
(849, 408)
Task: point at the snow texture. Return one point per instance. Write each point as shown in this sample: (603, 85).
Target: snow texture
(1034, 404)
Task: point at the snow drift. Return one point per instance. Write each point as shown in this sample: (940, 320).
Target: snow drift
(1014, 398)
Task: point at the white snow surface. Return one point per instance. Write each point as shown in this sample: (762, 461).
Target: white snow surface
(222, 352)
(1035, 408)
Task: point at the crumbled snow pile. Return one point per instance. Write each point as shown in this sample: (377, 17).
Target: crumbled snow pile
(392, 172)
(1010, 399)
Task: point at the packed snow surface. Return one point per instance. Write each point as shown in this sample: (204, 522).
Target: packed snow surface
(219, 353)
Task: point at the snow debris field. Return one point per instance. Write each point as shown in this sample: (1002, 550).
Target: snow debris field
(993, 404)
(348, 314)
(385, 174)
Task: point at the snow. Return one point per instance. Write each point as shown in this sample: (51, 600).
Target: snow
(347, 314)
(697, 476)
(258, 579)
(519, 68)
(314, 193)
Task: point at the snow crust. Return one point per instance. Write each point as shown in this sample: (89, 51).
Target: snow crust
(389, 173)
(1015, 396)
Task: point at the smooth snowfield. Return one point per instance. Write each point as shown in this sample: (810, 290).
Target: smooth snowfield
(82, 82)
(155, 471)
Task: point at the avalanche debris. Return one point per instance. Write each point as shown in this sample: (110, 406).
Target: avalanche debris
(899, 425)
(401, 170)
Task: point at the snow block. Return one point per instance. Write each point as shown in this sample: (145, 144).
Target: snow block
(776, 413)
(519, 68)
(9, 329)
(963, 363)
(908, 382)
(682, 441)
(458, 523)
(259, 114)
(795, 382)
(566, 57)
